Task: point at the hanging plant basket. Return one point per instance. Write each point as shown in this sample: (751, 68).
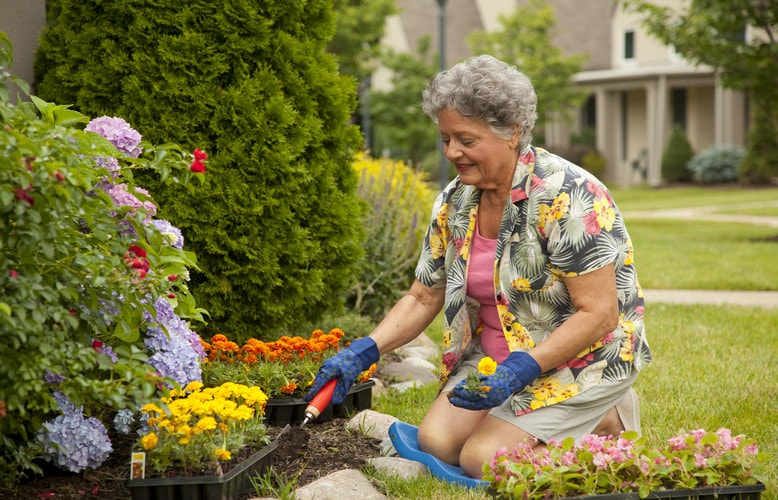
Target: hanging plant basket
(231, 485)
(282, 411)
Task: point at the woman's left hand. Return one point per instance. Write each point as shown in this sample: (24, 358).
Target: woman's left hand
(514, 374)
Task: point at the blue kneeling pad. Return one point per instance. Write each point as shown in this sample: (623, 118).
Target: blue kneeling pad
(405, 438)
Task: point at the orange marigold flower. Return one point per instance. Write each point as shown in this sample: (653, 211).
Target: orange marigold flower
(289, 388)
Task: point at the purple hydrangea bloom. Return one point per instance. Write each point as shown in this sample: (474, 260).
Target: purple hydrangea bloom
(123, 420)
(121, 197)
(172, 233)
(111, 164)
(53, 378)
(119, 132)
(72, 441)
(174, 355)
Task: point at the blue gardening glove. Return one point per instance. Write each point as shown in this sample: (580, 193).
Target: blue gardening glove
(346, 367)
(514, 374)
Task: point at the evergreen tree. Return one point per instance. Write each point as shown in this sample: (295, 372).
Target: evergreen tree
(676, 156)
(277, 229)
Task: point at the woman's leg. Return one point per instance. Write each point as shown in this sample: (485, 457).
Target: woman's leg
(489, 437)
(446, 428)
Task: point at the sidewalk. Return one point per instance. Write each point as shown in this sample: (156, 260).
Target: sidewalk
(736, 298)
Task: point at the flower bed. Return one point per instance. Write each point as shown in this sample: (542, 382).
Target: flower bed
(626, 467)
(284, 368)
(200, 429)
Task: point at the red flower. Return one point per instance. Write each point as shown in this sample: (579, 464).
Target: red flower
(24, 195)
(97, 345)
(172, 277)
(200, 155)
(136, 259)
(197, 167)
(137, 250)
(13, 273)
(59, 176)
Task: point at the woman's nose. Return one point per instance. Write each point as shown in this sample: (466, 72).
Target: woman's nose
(451, 151)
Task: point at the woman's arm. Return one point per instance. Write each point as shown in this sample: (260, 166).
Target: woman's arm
(409, 317)
(595, 300)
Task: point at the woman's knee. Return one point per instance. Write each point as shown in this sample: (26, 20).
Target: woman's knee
(433, 439)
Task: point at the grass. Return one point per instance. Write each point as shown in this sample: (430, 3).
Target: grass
(713, 366)
(694, 255)
(647, 198)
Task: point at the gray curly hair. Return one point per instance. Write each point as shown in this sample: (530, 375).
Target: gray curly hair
(486, 89)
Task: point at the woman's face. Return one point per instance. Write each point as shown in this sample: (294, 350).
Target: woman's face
(482, 159)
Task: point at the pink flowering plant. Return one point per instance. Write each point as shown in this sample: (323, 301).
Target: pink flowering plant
(608, 465)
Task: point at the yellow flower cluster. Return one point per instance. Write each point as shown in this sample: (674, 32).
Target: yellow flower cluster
(198, 425)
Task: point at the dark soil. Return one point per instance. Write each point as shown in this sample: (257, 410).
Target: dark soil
(306, 454)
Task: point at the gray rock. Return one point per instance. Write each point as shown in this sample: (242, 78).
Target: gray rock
(371, 423)
(399, 467)
(347, 483)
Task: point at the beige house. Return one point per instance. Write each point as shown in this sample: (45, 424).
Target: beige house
(639, 87)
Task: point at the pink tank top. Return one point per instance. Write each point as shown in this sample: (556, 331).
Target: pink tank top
(480, 286)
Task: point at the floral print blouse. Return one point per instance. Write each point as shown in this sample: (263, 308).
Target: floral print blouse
(561, 222)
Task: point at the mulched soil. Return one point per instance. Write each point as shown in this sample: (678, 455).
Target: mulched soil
(306, 453)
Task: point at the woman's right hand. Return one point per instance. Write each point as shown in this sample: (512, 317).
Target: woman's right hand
(345, 367)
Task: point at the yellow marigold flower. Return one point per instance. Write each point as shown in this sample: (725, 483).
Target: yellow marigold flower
(205, 424)
(487, 366)
(222, 454)
(149, 441)
(193, 386)
(151, 408)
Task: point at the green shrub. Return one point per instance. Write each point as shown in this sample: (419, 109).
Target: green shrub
(401, 202)
(76, 289)
(760, 164)
(278, 229)
(676, 156)
(595, 163)
(716, 164)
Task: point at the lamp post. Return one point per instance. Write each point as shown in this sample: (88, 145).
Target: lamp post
(442, 66)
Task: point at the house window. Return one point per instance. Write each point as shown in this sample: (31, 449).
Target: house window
(629, 45)
(678, 97)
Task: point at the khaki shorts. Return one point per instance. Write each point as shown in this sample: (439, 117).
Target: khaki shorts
(574, 417)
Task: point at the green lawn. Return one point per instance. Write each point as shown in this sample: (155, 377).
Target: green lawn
(646, 198)
(687, 254)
